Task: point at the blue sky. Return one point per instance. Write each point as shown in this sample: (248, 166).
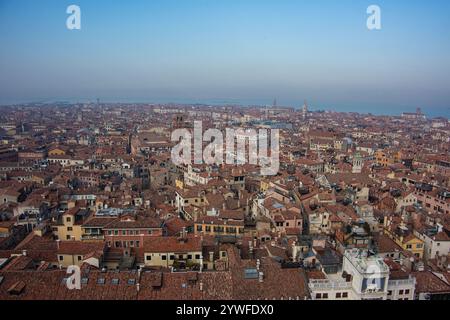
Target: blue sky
(247, 51)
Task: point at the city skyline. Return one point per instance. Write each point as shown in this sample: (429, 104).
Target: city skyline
(240, 52)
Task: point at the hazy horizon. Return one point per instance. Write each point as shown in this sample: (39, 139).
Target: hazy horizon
(379, 111)
(243, 51)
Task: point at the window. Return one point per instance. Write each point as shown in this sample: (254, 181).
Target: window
(408, 246)
(116, 232)
(318, 296)
(400, 292)
(345, 295)
(124, 232)
(101, 281)
(325, 296)
(67, 237)
(68, 219)
(189, 256)
(148, 258)
(131, 281)
(115, 281)
(163, 257)
(172, 257)
(197, 256)
(80, 258)
(61, 258)
(407, 291)
(390, 293)
(224, 254)
(181, 257)
(199, 228)
(338, 295)
(69, 228)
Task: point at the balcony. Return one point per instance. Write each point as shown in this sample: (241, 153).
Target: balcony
(320, 285)
(401, 283)
(87, 237)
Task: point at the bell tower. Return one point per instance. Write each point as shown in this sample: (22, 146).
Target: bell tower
(357, 163)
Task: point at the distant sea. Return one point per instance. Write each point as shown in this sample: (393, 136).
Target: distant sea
(393, 110)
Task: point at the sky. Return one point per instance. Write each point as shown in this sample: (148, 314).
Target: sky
(230, 51)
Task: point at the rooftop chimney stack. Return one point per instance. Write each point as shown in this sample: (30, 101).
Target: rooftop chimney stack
(261, 277)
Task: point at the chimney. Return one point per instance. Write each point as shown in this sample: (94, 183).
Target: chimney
(201, 286)
(261, 277)
(258, 264)
(24, 253)
(57, 243)
(294, 251)
(138, 287)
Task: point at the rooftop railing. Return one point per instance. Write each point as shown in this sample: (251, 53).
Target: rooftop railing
(329, 285)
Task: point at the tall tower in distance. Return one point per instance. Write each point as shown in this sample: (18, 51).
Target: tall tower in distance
(357, 163)
(305, 110)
